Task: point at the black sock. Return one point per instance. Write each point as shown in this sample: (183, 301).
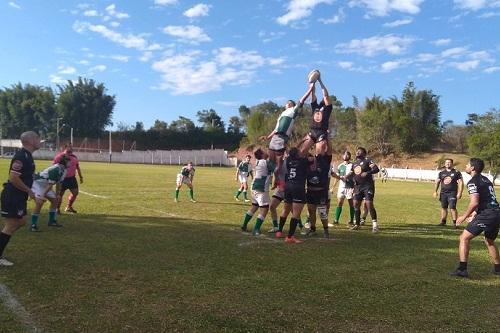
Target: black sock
(462, 266)
(357, 216)
(497, 267)
(293, 226)
(443, 221)
(282, 223)
(313, 228)
(454, 221)
(373, 214)
(4, 240)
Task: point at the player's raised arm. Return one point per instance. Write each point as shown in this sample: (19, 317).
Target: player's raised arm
(302, 100)
(324, 91)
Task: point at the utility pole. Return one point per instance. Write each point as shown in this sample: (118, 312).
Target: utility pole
(57, 133)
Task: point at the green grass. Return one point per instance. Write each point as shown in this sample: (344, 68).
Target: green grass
(137, 262)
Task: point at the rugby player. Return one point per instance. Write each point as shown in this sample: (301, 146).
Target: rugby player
(185, 177)
(243, 170)
(318, 190)
(69, 182)
(364, 187)
(17, 189)
(345, 189)
(260, 191)
(42, 188)
(281, 133)
(451, 190)
(484, 215)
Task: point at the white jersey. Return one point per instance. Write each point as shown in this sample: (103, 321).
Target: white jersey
(262, 178)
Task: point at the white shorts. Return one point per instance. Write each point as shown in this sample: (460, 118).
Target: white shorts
(346, 193)
(279, 194)
(38, 189)
(277, 143)
(183, 180)
(260, 199)
(242, 178)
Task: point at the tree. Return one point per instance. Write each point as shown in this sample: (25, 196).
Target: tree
(211, 120)
(183, 124)
(139, 126)
(376, 126)
(235, 125)
(159, 126)
(484, 140)
(27, 107)
(123, 127)
(454, 137)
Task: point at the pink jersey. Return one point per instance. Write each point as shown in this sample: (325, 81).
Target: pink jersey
(71, 172)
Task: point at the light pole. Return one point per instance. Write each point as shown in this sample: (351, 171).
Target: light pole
(57, 132)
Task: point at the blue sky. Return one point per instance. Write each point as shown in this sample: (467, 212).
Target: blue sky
(169, 58)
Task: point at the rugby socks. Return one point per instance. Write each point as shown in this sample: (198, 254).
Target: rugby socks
(374, 224)
(247, 219)
(357, 216)
(191, 194)
(275, 224)
(454, 222)
(351, 213)
(34, 219)
(338, 211)
(245, 195)
(299, 222)
(71, 200)
(462, 266)
(282, 223)
(258, 223)
(293, 226)
(4, 240)
(237, 194)
(52, 215)
(176, 194)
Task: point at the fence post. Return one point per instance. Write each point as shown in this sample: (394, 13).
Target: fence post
(179, 159)
(211, 162)
(203, 160)
(161, 157)
(170, 161)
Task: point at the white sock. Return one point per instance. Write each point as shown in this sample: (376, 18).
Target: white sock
(374, 223)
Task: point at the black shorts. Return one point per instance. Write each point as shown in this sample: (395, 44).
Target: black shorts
(318, 135)
(319, 198)
(13, 203)
(488, 221)
(448, 199)
(364, 192)
(295, 193)
(69, 183)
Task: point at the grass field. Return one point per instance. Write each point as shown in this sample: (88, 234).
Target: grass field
(132, 260)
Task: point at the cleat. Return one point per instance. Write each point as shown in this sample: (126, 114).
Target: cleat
(256, 233)
(303, 231)
(375, 230)
(335, 222)
(330, 225)
(442, 223)
(292, 240)
(307, 225)
(192, 200)
(247, 200)
(326, 235)
(355, 227)
(272, 230)
(176, 200)
(236, 198)
(310, 233)
(54, 224)
(278, 234)
(244, 229)
(460, 273)
(5, 262)
(362, 222)
(34, 228)
(70, 210)
(351, 223)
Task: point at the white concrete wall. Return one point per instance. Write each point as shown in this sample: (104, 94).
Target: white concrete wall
(425, 175)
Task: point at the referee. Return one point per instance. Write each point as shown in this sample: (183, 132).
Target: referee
(17, 189)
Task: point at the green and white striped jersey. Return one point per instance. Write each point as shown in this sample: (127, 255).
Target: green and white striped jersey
(244, 168)
(53, 174)
(263, 172)
(343, 169)
(286, 120)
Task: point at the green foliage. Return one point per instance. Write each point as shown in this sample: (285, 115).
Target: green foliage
(376, 126)
(454, 137)
(183, 124)
(235, 125)
(484, 139)
(27, 107)
(210, 120)
(85, 106)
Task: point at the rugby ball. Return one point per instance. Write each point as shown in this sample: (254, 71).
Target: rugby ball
(313, 76)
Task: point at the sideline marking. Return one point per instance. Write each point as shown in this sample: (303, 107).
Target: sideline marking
(94, 195)
(13, 305)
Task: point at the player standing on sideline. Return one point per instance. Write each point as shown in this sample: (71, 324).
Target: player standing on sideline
(260, 191)
(383, 175)
(364, 187)
(345, 189)
(318, 190)
(319, 127)
(484, 212)
(243, 170)
(451, 190)
(42, 188)
(69, 182)
(281, 133)
(295, 192)
(185, 177)
(16, 191)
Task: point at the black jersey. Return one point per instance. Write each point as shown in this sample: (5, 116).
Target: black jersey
(363, 165)
(22, 163)
(320, 176)
(481, 185)
(449, 180)
(320, 115)
(296, 171)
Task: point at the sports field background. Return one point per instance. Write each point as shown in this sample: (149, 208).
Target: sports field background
(132, 260)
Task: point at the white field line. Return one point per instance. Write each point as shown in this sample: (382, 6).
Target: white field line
(94, 195)
(13, 305)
